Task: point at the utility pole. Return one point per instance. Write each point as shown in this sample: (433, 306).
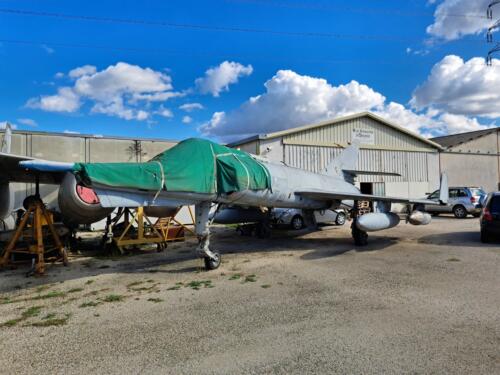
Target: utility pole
(489, 33)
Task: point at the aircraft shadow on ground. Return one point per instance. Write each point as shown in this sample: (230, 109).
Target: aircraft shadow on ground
(464, 238)
(143, 262)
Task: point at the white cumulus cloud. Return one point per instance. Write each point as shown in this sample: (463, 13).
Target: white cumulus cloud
(121, 90)
(190, 107)
(187, 120)
(218, 79)
(461, 87)
(81, 71)
(454, 19)
(291, 100)
(27, 122)
(66, 100)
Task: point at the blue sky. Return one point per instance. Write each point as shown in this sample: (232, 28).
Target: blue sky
(385, 47)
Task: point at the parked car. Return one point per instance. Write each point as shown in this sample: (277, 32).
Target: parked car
(490, 217)
(463, 201)
(296, 220)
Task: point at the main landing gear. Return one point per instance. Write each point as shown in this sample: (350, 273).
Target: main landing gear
(212, 258)
(359, 236)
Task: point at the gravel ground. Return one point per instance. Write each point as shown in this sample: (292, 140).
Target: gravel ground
(417, 300)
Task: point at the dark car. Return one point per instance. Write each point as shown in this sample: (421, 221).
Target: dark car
(490, 217)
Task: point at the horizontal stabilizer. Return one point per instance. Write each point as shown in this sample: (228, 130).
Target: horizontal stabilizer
(370, 173)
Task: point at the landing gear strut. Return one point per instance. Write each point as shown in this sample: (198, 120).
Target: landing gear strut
(359, 236)
(212, 258)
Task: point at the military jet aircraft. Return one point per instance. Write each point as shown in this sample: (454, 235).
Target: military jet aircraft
(203, 173)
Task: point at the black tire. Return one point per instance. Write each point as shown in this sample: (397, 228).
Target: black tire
(341, 217)
(484, 237)
(360, 237)
(212, 264)
(459, 211)
(297, 222)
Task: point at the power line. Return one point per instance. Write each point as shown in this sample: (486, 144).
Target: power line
(335, 8)
(388, 38)
(201, 54)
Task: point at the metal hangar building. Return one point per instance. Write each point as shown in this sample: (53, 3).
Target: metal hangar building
(384, 145)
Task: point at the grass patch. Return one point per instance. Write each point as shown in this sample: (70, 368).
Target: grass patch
(175, 287)
(453, 260)
(265, 286)
(135, 283)
(156, 300)
(150, 281)
(53, 294)
(6, 300)
(31, 311)
(52, 322)
(196, 285)
(11, 322)
(40, 289)
(75, 290)
(144, 288)
(49, 316)
(88, 282)
(113, 298)
(236, 276)
(250, 279)
(89, 304)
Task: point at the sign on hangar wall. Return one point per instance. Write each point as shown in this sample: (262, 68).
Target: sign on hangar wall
(363, 136)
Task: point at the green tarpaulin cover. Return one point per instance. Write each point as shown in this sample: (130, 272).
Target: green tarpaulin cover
(194, 165)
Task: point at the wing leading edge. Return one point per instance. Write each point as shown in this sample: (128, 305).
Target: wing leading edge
(331, 196)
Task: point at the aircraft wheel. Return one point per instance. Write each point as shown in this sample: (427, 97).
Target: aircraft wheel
(212, 264)
(297, 222)
(360, 237)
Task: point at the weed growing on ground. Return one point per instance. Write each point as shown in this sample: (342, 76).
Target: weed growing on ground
(265, 286)
(250, 279)
(453, 260)
(113, 298)
(49, 316)
(11, 322)
(236, 276)
(75, 290)
(156, 300)
(53, 294)
(88, 282)
(52, 321)
(135, 283)
(31, 311)
(89, 304)
(196, 285)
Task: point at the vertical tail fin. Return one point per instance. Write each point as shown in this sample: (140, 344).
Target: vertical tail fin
(7, 140)
(347, 160)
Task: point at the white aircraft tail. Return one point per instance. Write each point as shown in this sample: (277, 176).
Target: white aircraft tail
(346, 161)
(7, 140)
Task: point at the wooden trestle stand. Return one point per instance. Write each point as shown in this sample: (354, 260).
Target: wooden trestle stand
(31, 229)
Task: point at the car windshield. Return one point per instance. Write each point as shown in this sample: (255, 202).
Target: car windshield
(477, 192)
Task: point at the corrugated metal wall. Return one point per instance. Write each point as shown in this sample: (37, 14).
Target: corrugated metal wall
(412, 166)
(385, 135)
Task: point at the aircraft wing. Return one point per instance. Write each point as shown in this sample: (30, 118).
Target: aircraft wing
(331, 196)
(17, 168)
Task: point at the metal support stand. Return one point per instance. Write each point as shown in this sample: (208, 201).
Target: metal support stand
(360, 237)
(34, 220)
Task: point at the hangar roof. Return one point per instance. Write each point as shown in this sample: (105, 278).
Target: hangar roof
(336, 121)
(456, 139)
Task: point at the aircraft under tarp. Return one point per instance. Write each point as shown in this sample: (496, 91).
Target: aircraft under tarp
(218, 169)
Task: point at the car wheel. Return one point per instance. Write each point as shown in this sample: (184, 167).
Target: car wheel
(297, 222)
(460, 212)
(340, 220)
(484, 237)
